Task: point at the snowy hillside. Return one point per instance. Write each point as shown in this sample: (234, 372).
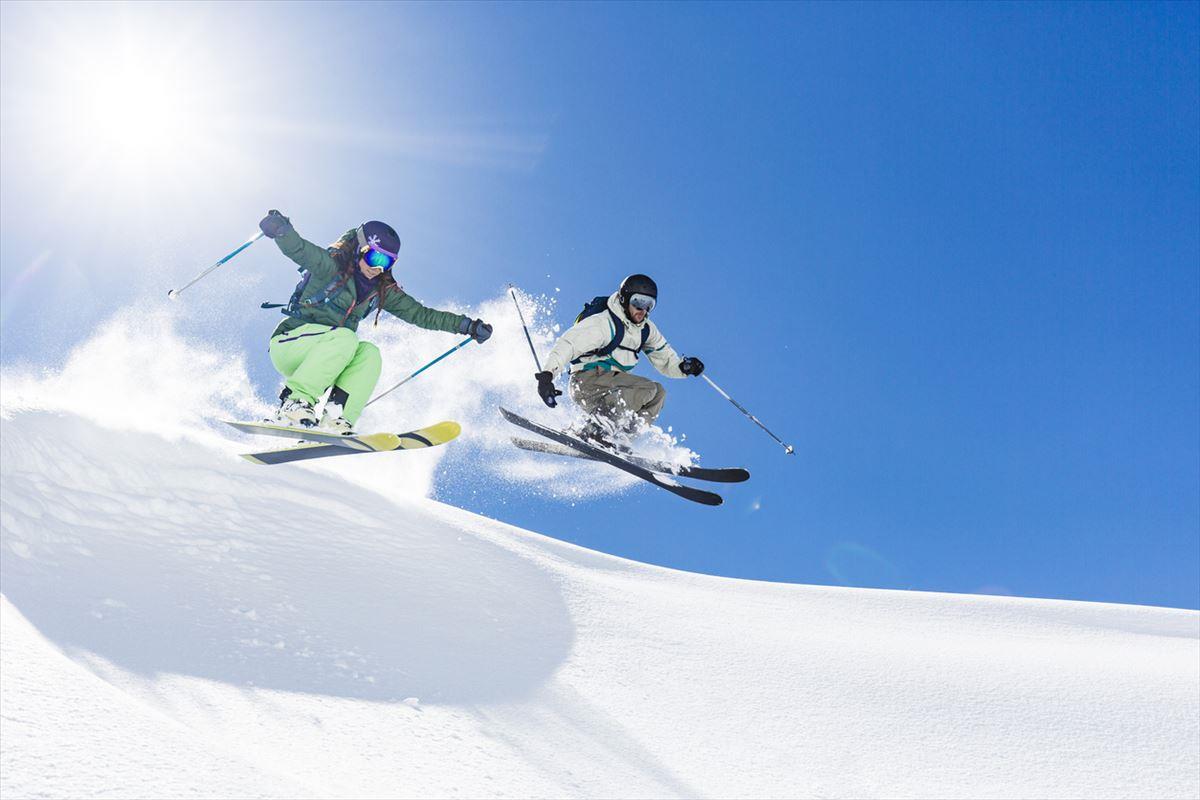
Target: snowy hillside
(178, 622)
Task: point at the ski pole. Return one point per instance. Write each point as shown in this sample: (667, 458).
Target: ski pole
(787, 448)
(456, 347)
(525, 327)
(174, 293)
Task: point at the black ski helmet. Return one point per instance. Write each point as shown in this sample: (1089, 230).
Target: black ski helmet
(637, 284)
(379, 235)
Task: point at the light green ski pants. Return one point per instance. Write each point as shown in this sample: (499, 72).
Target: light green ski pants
(314, 357)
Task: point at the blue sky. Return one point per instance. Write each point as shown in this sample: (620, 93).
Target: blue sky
(949, 251)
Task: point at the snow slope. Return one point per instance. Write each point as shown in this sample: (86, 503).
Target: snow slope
(177, 622)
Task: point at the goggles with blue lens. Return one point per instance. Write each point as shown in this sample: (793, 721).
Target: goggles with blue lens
(643, 302)
(377, 258)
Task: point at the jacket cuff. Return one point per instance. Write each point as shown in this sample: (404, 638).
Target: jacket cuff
(289, 241)
(552, 366)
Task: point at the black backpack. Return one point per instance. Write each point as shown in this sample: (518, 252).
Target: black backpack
(294, 306)
(598, 305)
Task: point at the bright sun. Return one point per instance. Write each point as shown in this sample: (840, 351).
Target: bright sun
(135, 104)
(122, 94)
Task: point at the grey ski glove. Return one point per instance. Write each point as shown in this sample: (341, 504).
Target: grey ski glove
(477, 329)
(275, 224)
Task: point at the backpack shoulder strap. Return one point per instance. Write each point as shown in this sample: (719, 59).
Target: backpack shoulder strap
(295, 304)
(616, 342)
(618, 335)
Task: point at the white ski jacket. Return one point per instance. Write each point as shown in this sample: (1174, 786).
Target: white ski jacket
(596, 331)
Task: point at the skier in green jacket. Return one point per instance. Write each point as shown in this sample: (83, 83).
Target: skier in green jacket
(316, 348)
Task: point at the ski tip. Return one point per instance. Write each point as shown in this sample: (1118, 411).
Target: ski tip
(448, 428)
(430, 436)
(508, 415)
(441, 432)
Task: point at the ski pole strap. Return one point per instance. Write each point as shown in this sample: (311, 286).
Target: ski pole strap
(452, 350)
(787, 448)
(174, 293)
(525, 327)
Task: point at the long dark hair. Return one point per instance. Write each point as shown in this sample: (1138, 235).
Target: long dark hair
(345, 251)
(345, 254)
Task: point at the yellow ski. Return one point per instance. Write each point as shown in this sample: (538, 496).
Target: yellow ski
(431, 436)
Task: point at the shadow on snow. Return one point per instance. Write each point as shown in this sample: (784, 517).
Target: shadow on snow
(167, 557)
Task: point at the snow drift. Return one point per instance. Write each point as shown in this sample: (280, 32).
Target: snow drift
(178, 622)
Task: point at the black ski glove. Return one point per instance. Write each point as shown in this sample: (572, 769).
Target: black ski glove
(546, 388)
(691, 366)
(477, 329)
(275, 224)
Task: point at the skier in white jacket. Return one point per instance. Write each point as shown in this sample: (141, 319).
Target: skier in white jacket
(601, 348)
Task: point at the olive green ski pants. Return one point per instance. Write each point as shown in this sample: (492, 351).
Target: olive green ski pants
(616, 395)
(315, 357)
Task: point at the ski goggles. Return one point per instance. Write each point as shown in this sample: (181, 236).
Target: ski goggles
(644, 302)
(377, 258)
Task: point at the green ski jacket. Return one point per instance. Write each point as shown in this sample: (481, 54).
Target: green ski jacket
(343, 308)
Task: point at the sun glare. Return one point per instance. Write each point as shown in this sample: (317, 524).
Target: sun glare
(134, 104)
(121, 96)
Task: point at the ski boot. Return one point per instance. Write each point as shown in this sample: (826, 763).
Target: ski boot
(294, 412)
(595, 432)
(332, 419)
